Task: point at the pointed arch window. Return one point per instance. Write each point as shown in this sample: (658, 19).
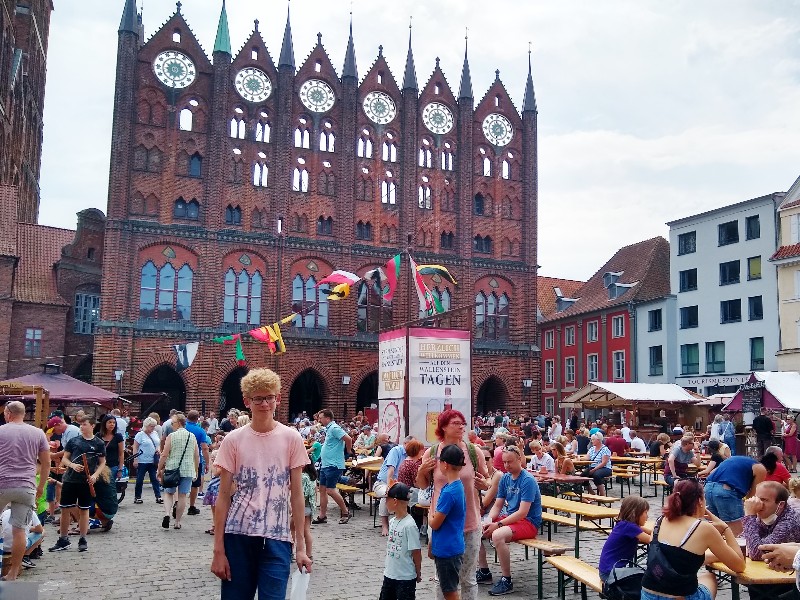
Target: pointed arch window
(425, 157)
(446, 240)
(242, 302)
(364, 189)
(326, 184)
(389, 151)
(424, 196)
(491, 316)
(186, 210)
(233, 215)
(300, 180)
(388, 192)
(185, 118)
(302, 138)
(447, 157)
(364, 145)
(195, 165)
(308, 298)
(478, 204)
(162, 295)
(487, 166)
(238, 128)
(327, 141)
(260, 174)
(325, 226)
(364, 230)
(505, 171)
(482, 244)
(263, 129)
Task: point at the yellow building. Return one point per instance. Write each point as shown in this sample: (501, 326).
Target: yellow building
(787, 261)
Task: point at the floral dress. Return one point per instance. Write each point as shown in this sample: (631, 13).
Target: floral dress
(309, 494)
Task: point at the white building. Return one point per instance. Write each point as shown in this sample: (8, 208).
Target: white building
(655, 340)
(727, 294)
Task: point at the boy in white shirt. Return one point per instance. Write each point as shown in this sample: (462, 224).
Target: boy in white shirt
(403, 567)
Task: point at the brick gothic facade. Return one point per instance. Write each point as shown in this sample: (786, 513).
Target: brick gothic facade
(206, 185)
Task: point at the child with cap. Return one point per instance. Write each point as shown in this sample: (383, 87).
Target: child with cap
(447, 522)
(403, 567)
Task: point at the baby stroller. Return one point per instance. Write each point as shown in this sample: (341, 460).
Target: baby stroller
(122, 482)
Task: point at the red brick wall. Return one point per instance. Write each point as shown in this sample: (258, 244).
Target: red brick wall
(52, 322)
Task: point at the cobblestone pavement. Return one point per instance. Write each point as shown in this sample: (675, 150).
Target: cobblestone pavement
(139, 560)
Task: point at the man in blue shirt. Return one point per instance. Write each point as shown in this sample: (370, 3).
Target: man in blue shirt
(193, 427)
(388, 471)
(516, 515)
(336, 442)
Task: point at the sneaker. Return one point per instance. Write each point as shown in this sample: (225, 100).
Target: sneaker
(193, 510)
(37, 553)
(82, 545)
(483, 577)
(200, 494)
(28, 563)
(61, 544)
(502, 587)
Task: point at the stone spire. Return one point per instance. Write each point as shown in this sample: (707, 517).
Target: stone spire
(465, 89)
(410, 77)
(130, 21)
(529, 103)
(287, 49)
(223, 41)
(350, 69)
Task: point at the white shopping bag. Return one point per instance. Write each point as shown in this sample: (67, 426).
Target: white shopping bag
(300, 581)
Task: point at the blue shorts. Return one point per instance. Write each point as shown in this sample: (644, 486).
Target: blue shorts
(32, 539)
(726, 504)
(184, 487)
(702, 593)
(329, 476)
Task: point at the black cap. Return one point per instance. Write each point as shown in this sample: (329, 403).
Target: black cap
(399, 491)
(452, 455)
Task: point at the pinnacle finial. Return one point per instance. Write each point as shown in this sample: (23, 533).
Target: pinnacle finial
(410, 77)
(287, 49)
(222, 43)
(350, 69)
(497, 75)
(465, 89)
(178, 6)
(319, 38)
(255, 24)
(437, 62)
(380, 50)
(529, 102)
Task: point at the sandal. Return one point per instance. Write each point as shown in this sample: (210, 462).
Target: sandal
(319, 520)
(345, 519)
(210, 531)
(158, 501)
(138, 501)
(176, 526)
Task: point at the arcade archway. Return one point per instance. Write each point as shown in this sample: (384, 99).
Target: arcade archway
(230, 394)
(493, 395)
(165, 379)
(306, 394)
(367, 394)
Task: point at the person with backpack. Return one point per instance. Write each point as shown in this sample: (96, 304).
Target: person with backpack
(450, 430)
(623, 541)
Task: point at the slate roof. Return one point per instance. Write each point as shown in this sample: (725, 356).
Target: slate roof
(645, 263)
(546, 296)
(786, 252)
(39, 248)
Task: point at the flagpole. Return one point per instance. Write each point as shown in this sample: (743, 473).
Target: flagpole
(407, 402)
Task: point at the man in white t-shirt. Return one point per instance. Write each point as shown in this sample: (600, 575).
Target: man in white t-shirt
(34, 536)
(626, 433)
(637, 443)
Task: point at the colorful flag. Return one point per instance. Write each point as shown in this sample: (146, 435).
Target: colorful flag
(379, 281)
(236, 339)
(428, 302)
(340, 277)
(339, 292)
(186, 354)
(436, 270)
(392, 275)
(271, 336)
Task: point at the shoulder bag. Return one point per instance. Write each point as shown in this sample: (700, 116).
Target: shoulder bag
(624, 582)
(172, 477)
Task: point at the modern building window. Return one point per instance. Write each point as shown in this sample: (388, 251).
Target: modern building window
(656, 360)
(755, 308)
(688, 280)
(491, 316)
(591, 331)
(569, 370)
(549, 372)
(752, 226)
(715, 357)
(654, 320)
(619, 365)
(87, 313)
(549, 340)
(163, 295)
(33, 342)
(592, 370)
(242, 297)
(753, 268)
(730, 311)
(794, 227)
(690, 359)
(569, 336)
(618, 327)
(312, 300)
(687, 243)
(729, 272)
(728, 233)
(688, 316)
(757, 354)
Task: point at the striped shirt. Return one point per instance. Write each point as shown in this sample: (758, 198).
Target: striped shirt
(596, 456)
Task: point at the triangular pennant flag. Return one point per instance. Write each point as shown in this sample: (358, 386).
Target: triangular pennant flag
(339, 292)
(240, 359)
(287, 320)
(277, 338)
(262, 334)
(392, 275)
(227, 339)
(186, 354)
(340, 277)
(379, 281)
(426, 302)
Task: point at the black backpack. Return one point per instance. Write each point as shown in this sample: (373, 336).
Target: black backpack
(624, 582)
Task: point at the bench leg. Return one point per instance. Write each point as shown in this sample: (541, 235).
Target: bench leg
(539, 582)
(583, 586)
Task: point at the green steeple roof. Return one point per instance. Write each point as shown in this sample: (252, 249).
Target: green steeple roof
(223, 41)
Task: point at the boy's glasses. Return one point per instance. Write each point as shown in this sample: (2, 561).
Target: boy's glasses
(262, 399)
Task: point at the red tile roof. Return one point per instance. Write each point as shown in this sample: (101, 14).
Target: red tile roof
(786, 252)
(546, 296)
(39, 248)
(645, 263)
(8, 215)
(791, 204)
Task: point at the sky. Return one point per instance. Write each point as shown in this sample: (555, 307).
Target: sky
(649, 111)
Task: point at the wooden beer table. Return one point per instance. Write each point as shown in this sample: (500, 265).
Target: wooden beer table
(582, 511)
(756, 572)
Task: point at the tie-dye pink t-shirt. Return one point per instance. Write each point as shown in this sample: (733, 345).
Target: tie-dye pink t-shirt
(261, 464)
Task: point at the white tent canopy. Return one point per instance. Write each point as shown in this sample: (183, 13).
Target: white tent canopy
(602, 394)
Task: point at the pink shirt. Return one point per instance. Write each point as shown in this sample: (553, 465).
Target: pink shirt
(20, 445)
(261, 464)
(497, 461)
(473, 520)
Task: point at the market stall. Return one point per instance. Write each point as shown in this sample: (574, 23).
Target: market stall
(39, 395)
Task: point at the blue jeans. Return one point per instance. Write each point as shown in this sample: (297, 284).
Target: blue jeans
(726, 504)
(702, 593)
(140, 472)
(256, 563)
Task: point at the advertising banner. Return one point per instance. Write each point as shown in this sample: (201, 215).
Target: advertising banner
(390, 419)
(439, 378)
(391, 383)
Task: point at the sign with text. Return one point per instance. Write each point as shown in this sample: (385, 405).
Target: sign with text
(392, 364)
(439, 378)
(390, 419)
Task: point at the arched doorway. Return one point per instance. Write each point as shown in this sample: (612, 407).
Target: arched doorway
(367, 394)
(306, 394)
(165, 379)
(84, 370)
(230, 395)
(493, 395)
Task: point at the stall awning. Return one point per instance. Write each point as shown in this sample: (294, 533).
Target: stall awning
(781, 390)
(64, 388)
(602, 394)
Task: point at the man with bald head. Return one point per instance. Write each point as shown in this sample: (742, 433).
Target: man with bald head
(21, 445)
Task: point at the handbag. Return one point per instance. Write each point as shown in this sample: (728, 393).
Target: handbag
(172, 477)
(624, 581)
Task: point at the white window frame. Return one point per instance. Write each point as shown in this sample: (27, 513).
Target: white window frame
(589, 367)
(618, 359)
(618, 326)
(549, 340)
(549, 405)
(591, 331)
(569, 335)
(549, 372)
(569, 369)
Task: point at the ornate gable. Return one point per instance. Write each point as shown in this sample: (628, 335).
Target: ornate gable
(176, 28)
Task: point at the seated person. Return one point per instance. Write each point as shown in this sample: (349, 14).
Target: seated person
(773, 462)
(679, 459)
(660, 446)
(677, 430)
(515, 515)
(714, 461)
(365, 442)
(542, 462)
(637, 443)
(768, 519)
(617, 444)
(34, 532)
(626, 535)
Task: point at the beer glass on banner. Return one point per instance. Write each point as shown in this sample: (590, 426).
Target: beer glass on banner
(434, 409)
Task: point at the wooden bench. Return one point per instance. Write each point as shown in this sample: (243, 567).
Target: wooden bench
(374, 499)
(348, 491)
(666, 489)
(573, 568)
(554, 519)
(623, 475)
(593, 497)
(544, 548)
